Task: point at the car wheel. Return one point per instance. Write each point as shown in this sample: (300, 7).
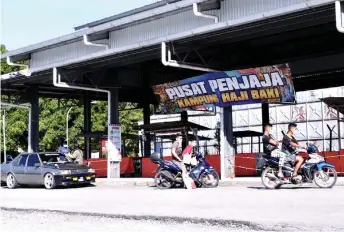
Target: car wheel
(49, 181)
(11, 181)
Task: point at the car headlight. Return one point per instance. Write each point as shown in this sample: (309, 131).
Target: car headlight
(90, 170)
(65, 172)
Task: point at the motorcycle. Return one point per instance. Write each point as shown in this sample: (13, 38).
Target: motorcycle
(314, 169)
(169, 174)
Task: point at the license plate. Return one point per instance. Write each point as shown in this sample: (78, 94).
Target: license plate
(88, 177)
(81, 179)
(75, 178)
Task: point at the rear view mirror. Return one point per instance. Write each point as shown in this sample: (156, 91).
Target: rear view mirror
(37, 165)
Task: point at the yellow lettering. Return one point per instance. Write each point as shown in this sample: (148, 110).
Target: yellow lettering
(213, 98)
(194, 101)
(187, 103)
(246, 95)
(262, 94)
(234, 97)
(180, 103)
(255, 94)
(270, 93)
(226, 97)
(277, 93)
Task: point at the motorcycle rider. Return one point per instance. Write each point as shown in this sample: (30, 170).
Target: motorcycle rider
(177, 157)
(289, 146)
(64, 149)
(270, 146)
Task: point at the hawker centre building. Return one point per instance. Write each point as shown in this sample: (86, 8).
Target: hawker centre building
(315, 120)
(133, 56)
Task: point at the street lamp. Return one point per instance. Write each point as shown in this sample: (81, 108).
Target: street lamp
(67, 117)
(67, 129)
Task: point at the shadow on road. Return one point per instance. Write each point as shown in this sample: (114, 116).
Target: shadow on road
(58, 187)
(288, 188)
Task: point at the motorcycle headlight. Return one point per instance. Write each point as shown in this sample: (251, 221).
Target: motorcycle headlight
(65, 172)
(91, 170)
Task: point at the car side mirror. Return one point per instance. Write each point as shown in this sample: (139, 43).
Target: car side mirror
(37, 165)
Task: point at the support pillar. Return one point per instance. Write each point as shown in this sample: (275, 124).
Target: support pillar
(34, 101)
(184, 119)
(226, 144)
(114, 166)
(87, 124)
(265, 114)
(114, 107)
(146, 121)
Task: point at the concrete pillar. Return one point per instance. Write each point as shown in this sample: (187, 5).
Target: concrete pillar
(265, 114)
(146, 121)
(87, 124)
(114, 166)
(226, 143)
(114, 106)
(34, 101)
(184, 119)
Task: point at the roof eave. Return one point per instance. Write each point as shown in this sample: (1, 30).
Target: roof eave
(163, 10)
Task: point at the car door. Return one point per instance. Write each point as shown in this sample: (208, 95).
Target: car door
(33, 170)
(19, 168)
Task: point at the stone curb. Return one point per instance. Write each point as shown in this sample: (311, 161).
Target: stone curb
(150, 182)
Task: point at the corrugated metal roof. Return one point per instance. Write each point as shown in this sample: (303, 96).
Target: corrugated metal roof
(151, 6)
(77, 35)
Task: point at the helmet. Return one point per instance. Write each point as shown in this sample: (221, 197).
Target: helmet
(312, 149)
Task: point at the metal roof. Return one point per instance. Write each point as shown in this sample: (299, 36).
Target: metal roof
(164, 127)
(247, 133)
(160, 9)
(336, 103)
(126, 14)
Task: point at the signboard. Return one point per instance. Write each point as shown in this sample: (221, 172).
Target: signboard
(114, 143)
(271, 84)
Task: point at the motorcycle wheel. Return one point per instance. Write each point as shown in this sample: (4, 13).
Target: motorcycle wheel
(267, 176)
(161, 182)
(318, 179)
(210, 180)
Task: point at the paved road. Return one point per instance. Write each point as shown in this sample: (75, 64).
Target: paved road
(247, 208)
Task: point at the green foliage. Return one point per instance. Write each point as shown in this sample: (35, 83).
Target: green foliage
(129, 125)
(5, 68)
(52, 124)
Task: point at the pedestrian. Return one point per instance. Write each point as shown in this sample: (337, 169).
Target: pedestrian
(76, 156)
(20, 149)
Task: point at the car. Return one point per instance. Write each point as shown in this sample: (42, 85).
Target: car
(50, 169)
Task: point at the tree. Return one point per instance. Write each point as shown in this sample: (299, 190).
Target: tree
(52, 124)
(5, 68)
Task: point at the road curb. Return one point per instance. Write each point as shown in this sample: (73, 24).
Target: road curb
(150, 182)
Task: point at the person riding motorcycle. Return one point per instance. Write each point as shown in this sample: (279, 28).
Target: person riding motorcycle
(177, 155)
(270, 147)
(289, 146)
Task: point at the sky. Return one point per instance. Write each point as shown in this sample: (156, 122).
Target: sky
(26, 22)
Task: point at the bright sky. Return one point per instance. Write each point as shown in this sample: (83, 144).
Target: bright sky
(25, 22)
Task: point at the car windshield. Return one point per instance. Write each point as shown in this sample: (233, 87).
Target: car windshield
(53, 158)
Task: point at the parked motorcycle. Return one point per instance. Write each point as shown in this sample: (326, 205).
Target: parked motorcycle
(314, 169)
(168, 174)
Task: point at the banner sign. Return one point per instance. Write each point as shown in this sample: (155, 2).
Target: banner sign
(114, 143)
(271, 84)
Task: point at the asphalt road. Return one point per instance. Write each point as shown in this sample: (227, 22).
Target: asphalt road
(236, 208)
